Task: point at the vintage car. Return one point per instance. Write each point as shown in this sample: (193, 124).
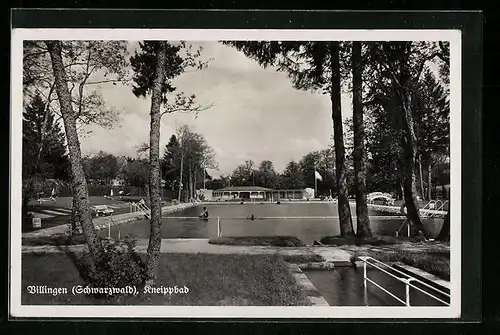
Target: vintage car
(102, 210)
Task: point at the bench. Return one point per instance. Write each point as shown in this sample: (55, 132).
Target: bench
(102, 209)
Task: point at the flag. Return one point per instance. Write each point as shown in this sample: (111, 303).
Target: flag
(317, 175)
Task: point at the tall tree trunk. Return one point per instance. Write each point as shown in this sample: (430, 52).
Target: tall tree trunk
(181, 180)
(79, 183)
(363, 221)
(345, 218)
(429, 180)
(408, 139)
(190, 183)
(154, 168)
(422, 190)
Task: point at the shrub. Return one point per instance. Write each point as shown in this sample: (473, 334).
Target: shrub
(120, 267)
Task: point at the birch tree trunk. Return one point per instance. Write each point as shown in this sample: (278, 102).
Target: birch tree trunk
(363, 221)
(154, 168)
(345, 218)
(429, 180)
(421, 177)
(408, 139)
(79, 183)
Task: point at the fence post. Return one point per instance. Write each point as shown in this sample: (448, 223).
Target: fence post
(109, 228)
(407, 282)
(408, 224)
(219, 233)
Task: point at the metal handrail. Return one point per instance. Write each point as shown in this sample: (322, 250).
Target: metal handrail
(110, 220)
(407, 280)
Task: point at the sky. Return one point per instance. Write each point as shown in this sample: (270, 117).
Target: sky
(256, 113)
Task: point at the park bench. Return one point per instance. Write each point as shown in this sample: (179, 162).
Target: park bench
(102, 209)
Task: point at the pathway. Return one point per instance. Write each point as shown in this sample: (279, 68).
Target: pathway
(331, 254)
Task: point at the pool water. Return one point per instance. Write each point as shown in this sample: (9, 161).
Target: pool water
(344, 287)
(234, 222)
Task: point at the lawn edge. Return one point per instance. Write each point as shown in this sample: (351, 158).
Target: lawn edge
(313, 294)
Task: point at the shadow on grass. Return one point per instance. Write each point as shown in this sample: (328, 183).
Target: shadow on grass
(353, 240)
(274, 241)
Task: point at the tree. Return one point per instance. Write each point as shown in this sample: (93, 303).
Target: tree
(432, 111)
(311, 66)
(402, 63)
(136, 172)
(48, 161)
(79, 183)
(154, 65)
(88, 64)
(343, 202)
(266, 175)
(243, 174)
(363, 221)
(154, 164)
(292, 177)
(171, 162)
(103, 168)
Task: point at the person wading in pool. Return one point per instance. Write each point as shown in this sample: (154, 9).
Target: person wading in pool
(204, 215)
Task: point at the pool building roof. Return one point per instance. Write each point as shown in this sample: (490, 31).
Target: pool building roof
(254, 189)
(244, 189)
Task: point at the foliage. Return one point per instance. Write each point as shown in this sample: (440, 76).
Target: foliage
(88, 65)
(180, 57)
(266, 175)
(49, 160)
(120, 267)
(243, 175)
(292, 177)
(102, 167)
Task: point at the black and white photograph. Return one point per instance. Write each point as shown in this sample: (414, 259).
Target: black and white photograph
(236, 173)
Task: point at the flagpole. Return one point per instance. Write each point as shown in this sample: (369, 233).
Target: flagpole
(315, 182)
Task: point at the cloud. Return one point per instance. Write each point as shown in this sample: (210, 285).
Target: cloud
(256, 113)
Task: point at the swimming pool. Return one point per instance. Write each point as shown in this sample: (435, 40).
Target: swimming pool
(344, 287)
(234, 222)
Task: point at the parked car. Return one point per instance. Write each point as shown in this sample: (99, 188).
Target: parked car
(102, 210)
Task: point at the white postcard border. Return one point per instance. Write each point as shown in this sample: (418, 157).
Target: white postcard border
(18, 310)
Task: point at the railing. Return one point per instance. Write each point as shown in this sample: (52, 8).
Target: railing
(112, 222)
(407, 280)
(141, 207)
(431, 206)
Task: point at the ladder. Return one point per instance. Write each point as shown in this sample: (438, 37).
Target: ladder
(142, 207)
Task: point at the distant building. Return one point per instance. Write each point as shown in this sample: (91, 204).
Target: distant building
(257, 193)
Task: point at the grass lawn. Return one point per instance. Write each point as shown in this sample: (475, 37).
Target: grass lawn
(436, 262)
(59, 239)
(212, 280)
(275, 241)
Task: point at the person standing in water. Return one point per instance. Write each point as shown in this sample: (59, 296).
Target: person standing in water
(204, 215)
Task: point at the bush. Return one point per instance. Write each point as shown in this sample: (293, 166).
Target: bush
(120, 267)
